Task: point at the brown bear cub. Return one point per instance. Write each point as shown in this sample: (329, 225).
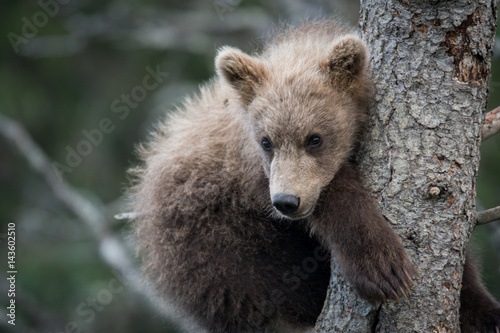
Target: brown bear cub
(246, 191)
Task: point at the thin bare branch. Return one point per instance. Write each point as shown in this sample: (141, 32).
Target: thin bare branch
(75, 202)
(491, 124)
(126, 216)
(111, 249)
(488, 215)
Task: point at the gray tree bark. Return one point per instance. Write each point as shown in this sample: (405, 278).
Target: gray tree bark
(431, 63)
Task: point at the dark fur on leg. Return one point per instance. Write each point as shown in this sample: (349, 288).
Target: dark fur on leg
(479, 312)
(228, 269)
(372, 257)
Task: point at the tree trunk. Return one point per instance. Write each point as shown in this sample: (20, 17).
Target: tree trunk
(431, 63)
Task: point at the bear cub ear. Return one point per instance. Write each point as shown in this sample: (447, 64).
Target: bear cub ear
(243, 72)
(347, 62)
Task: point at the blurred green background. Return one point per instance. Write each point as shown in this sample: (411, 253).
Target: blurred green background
(76, 67)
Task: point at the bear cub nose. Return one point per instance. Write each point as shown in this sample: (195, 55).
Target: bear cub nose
(286, 203)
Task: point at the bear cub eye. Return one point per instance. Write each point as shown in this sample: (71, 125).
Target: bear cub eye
(266, 144)
(314, 141)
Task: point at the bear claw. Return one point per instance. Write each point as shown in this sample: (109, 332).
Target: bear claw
(379, 285)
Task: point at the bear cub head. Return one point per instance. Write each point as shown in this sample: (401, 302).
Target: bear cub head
(305, 107)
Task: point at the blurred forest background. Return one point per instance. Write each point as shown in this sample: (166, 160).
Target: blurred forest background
(67, 66)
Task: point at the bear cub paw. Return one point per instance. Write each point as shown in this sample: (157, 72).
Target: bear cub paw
(385, 276)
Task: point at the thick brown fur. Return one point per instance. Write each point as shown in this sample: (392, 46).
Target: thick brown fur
(281, 124)
(479, 311)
